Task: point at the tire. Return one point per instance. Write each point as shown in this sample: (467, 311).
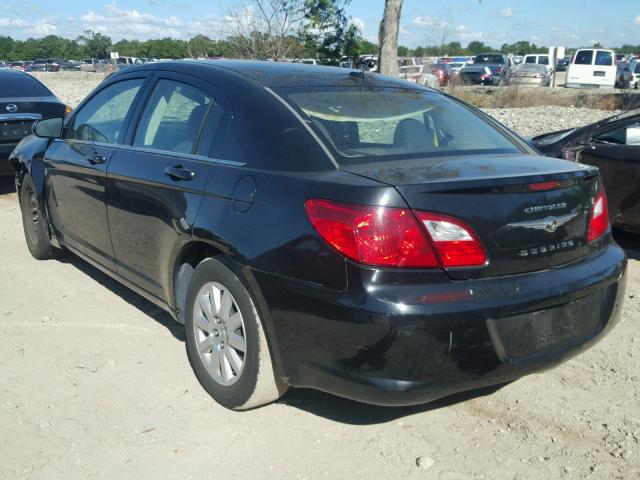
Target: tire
(221, 319)
(34, 223)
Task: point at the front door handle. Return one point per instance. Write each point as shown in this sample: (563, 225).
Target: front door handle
(95, 158)
(179, 173)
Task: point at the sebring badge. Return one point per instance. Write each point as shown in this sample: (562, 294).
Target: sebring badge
(11, 108)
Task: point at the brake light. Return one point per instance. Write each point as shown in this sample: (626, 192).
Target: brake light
(392, 237)
(456, 244)
(543, 186)
(599, 217)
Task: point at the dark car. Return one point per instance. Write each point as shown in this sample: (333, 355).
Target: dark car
(563, 64)
(477, 75)
(23, 99)
(325, 228)
(498, 63)
(612, 145)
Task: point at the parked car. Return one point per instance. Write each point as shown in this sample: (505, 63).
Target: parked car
(628, 75)
(23, 99)
(562, 64)
(477, 75)
(530, 75)
(612, 145)
(498, 63)
(3, 65)
(94, 65)
(592, 68)
(353, 233)
(20, 66)
(443, 73)
(367, 63)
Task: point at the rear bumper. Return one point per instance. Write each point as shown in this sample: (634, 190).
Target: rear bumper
(5, 151)
(587, 85)
(392, 340)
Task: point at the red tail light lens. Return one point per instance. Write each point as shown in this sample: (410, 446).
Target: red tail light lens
(380, 236)
(456, 243)
(392, 237)
(599, 218)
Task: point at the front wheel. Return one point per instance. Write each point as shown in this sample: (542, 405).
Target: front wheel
(34, 223)
(226, 342)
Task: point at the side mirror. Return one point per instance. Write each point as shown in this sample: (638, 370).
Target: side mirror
(48, 127)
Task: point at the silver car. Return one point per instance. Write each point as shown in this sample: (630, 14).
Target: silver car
(530, 75)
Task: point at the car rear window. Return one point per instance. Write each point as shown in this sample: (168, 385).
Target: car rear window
(363, 125)
(604, 59)
(488, 59)
(584, 57)
(17, 85)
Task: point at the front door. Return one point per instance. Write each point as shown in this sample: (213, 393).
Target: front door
(156, 183)
(76, 170)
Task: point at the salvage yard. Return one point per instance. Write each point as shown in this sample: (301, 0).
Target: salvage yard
(96, 384)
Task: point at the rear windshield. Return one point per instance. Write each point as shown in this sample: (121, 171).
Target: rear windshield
(604, 59)
(584, 57)
(12, 85)
(488, 59)
(363, 125)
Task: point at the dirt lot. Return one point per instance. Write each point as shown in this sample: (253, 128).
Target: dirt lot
(95, 384)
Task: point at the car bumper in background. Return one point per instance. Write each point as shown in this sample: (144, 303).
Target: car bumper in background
(392, 339)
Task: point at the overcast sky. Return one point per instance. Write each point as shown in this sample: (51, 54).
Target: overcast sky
(564, 22)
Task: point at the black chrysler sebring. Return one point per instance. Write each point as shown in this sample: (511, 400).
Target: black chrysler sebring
(326, 228)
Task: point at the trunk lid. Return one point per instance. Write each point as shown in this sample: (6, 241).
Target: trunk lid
(17, 115)
(521, 229)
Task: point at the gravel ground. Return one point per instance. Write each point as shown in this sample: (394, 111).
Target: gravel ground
(536, 120)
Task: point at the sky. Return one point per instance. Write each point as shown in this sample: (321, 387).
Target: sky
(568, 23)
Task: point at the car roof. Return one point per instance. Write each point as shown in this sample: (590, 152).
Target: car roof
(281, 74)
(14, 72)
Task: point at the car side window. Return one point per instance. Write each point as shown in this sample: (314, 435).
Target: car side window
(629, 135)
(173, 116)
(102, 118)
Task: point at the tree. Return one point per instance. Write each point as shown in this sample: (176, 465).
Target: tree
(388, 37)
(96, 45)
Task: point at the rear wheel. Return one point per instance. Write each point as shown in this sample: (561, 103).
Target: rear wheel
(33, 222)
(226, 343)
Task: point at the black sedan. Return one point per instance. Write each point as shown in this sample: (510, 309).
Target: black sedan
(612, 145)
(320, 227)
(23, 99)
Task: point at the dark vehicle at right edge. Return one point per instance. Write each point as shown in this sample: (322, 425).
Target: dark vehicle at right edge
(326, 228)
(612, 145)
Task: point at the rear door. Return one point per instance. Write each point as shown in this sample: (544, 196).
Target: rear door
(76, 178)
(156, 182)
(616, 152)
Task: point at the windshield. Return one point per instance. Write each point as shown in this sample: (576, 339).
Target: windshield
(22, 86)
(363, 125)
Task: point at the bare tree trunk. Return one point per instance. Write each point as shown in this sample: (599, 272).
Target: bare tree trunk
(389, 29)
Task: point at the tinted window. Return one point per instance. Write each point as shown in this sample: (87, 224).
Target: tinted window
(365, 125)
(172, 118)
(530, 60)
(102, 118)
(604, 58)
(15, 85)
(543, 60)
(584, 57)
(629, 135)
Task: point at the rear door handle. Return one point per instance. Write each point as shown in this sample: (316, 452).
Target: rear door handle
(179, 173)
(95, 158)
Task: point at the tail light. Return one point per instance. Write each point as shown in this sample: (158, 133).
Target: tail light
(392, 237)
(599, 217)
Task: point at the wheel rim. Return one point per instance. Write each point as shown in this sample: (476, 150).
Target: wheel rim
(32, 216)
(219, 333)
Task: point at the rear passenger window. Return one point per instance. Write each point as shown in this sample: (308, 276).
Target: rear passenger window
(102, 118)
(584, 57)
(173, 117)
(604, 59)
